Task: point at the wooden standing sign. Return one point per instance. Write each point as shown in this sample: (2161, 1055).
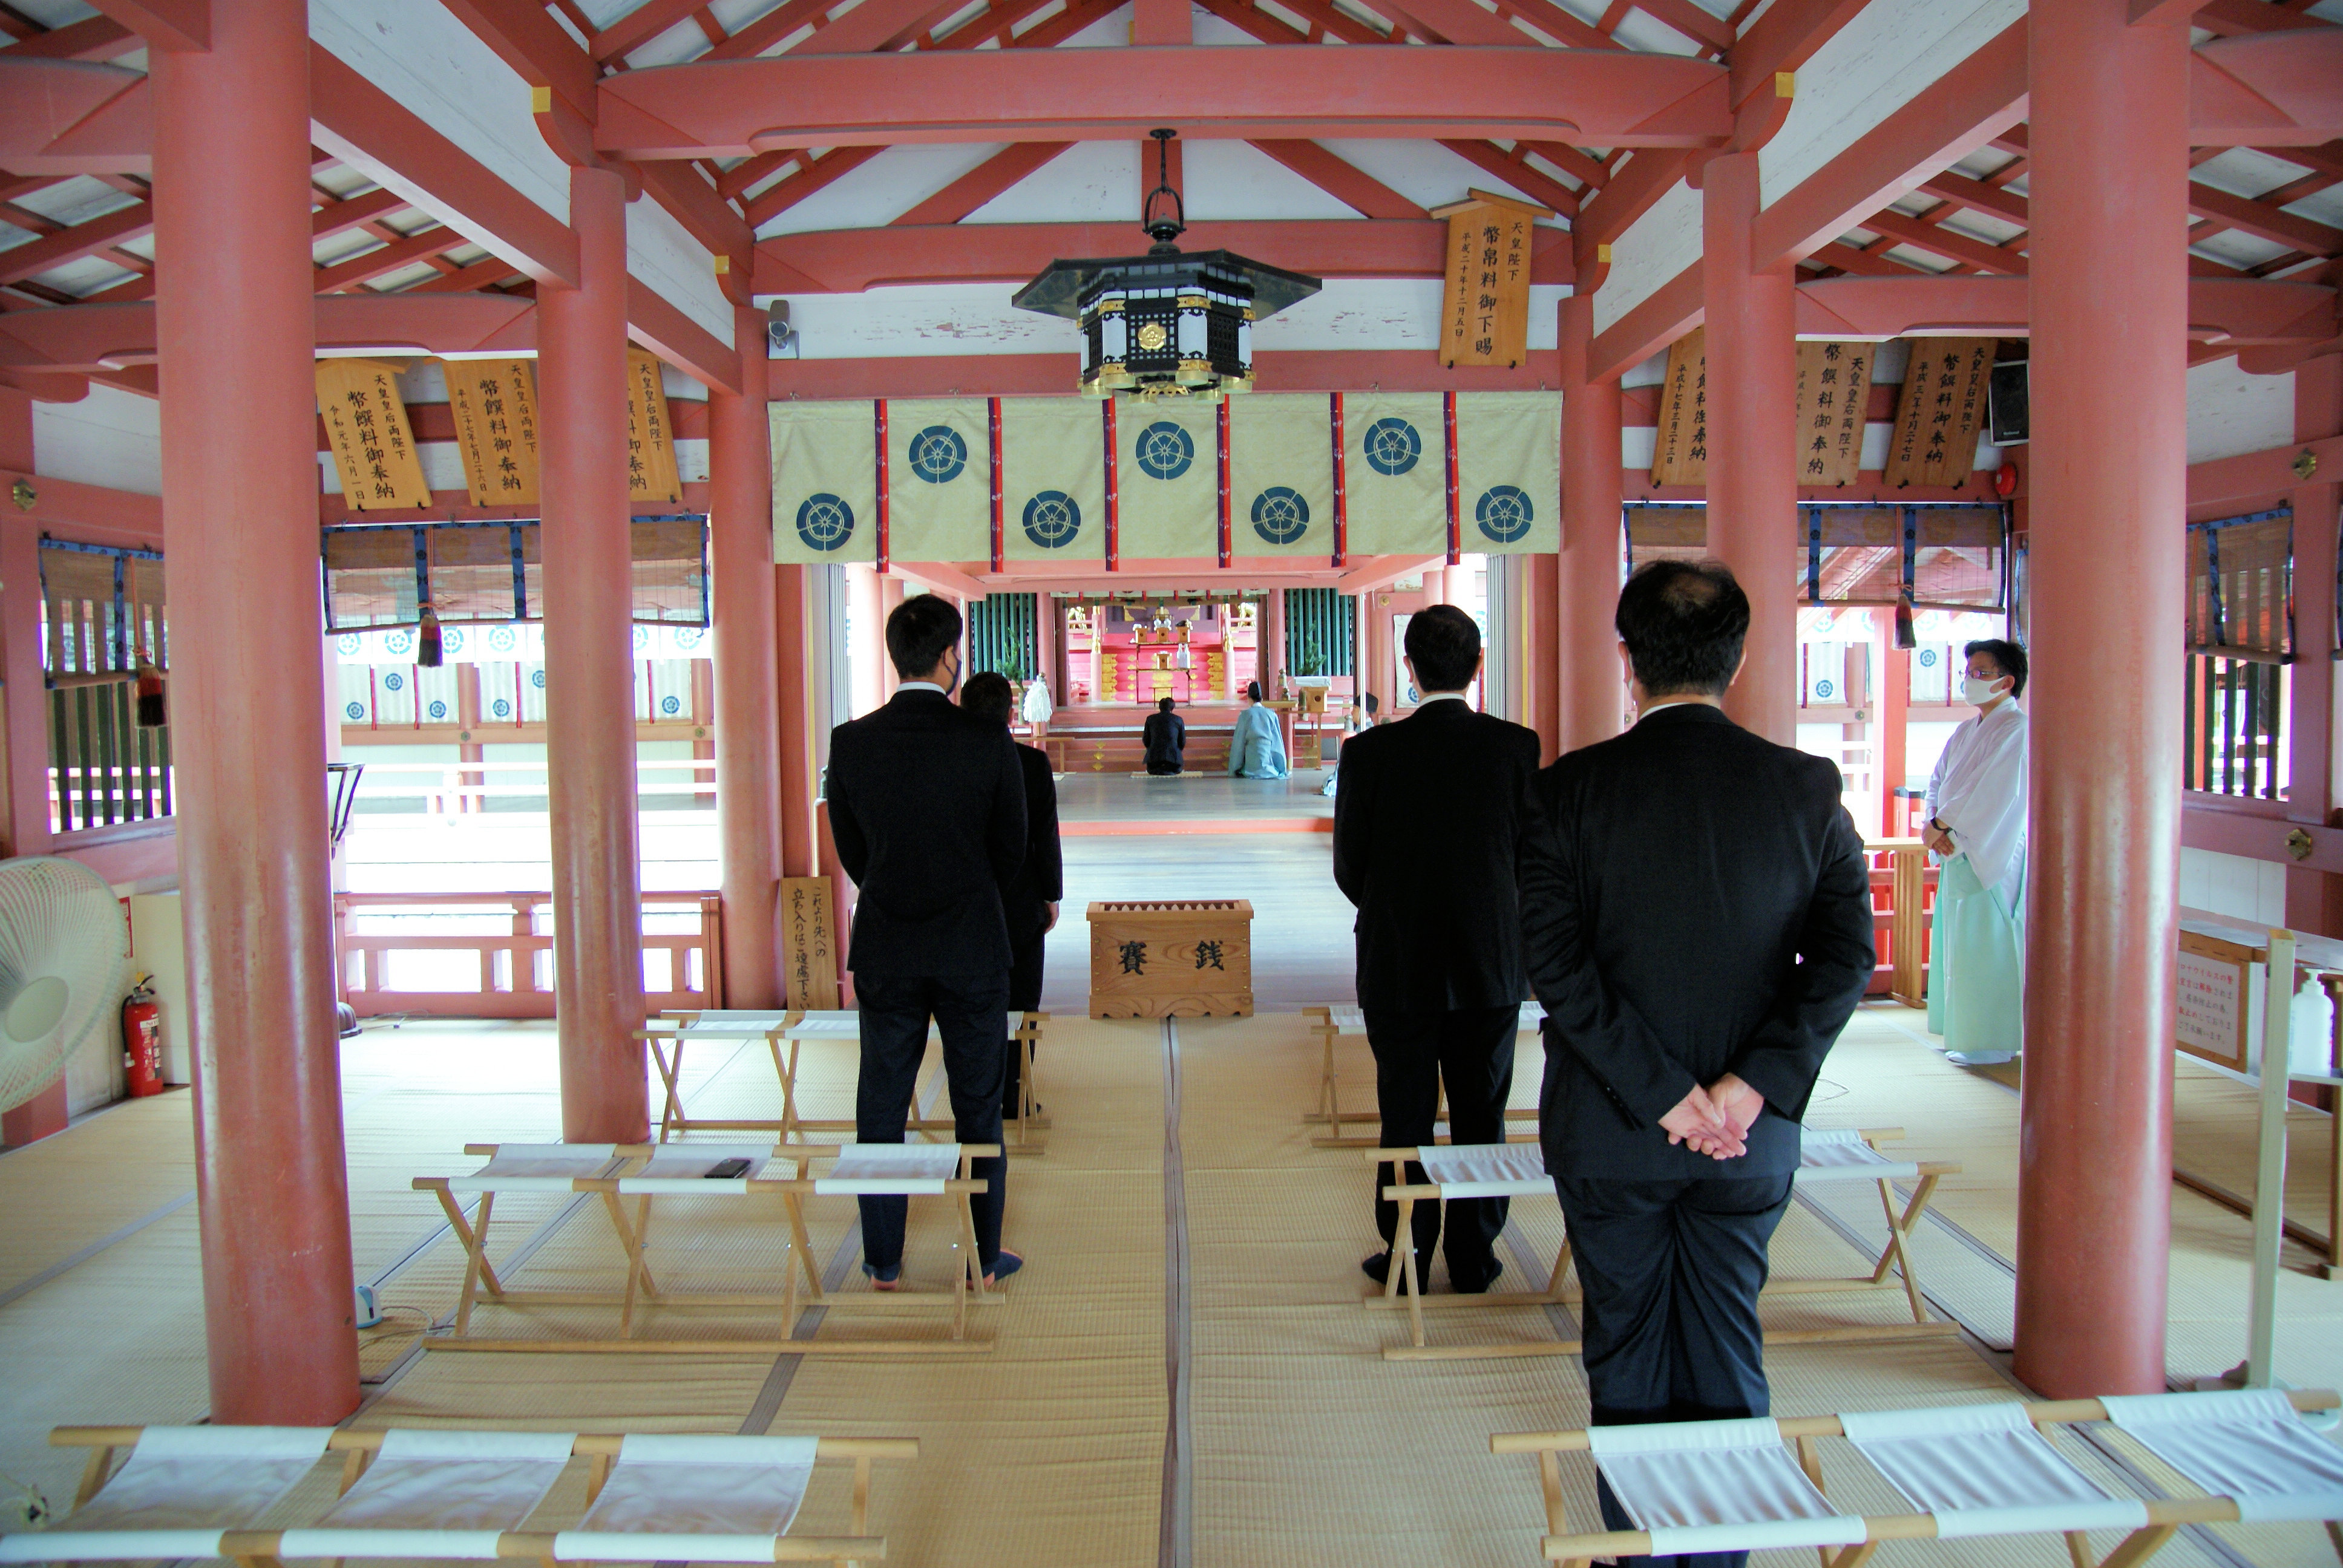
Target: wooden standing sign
(1680, 453)
(809, 943)
(1485, 310)
(2213, 998)
(1941, 411)
(1834, 388)
(366, 423)
(650, 440)
(494, 404)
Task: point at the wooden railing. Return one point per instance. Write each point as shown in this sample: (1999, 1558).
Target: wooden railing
(511, 971)
(1903, 888)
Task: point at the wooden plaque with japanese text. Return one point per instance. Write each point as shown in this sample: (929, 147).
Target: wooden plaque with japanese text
(1680, 449)
(1834, 387)
(650, 439)
(1941, 411)
(494, 405)
(2213, 998)
(373, 445)
(1485, 305)
(808, 943)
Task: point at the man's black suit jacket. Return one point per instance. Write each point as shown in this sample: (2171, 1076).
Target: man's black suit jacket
(1430, 818)
(927, 806)
(1165, 736)
(1697, 905)
(1041, 880)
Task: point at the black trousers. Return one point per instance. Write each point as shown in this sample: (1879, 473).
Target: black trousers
(971, 1013)
(1672, 1271)
(1163, 769)
(1024, 996)
(1473, 1050)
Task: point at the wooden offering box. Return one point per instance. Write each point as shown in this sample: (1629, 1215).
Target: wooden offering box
(1172, 958)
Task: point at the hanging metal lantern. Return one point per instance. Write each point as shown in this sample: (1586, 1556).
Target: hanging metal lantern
(1168, 324)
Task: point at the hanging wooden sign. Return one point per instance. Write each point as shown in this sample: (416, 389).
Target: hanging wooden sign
(365, 424)
(1680, 453)
(650, 439)
(1485, 310)
(1941, 411)
(1834, 389)
(494, 404)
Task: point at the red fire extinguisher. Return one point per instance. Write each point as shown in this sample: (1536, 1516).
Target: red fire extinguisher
(142, 1041)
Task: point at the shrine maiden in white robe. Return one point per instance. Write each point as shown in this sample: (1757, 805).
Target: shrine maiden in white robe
(1977, 977)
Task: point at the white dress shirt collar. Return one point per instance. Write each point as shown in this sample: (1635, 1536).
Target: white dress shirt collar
(922, 686)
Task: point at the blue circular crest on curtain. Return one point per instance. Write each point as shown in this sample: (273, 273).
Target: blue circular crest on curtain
(1164, 451)
(354, 711)
(669, 705)
(394, 681)
(398, 642)
(1281, 515)
(451, 640)
(689, 636)
(642, 637)
(499, 707)
(347, 642)
(938, 454)
(503, 639)
(437, 710)
(825, 522)
(1927, 658)
(1392, 446)
(1053, 519)
(536, 678)
(1505, 513)
(1823, 689)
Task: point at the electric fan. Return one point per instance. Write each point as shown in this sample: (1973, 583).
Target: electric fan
(61, 957)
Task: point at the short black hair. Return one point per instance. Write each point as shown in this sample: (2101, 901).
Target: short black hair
(1445, 646)
(1374, 705)
(917, 631)
(1684, 623)
(987, 696)
(1163, 705)
(2007, 655)
(1252, 690)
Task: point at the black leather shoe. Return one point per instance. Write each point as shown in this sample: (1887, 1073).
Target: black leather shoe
(1470, 1288)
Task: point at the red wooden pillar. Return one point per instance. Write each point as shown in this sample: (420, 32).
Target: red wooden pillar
(1753, 467)
(792, 621)
(2109, 194)
(1541, 651)
(747, 720)
(2314, 900)
(589, 685)
(1595, 692)
(234, 325)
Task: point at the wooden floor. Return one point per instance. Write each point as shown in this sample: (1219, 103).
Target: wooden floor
(1183, 1373)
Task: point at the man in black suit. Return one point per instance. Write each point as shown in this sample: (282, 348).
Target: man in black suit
(1165, 736)
(1430, 819)
(927, 806)
(1698, 924)
(1029, 900)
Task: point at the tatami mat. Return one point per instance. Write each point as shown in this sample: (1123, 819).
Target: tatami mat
(1306, 1446)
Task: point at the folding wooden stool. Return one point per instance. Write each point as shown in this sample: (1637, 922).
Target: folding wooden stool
(1518, 1170)
(1029, 1118)
(783, 1033)
(1970, 1471)
(443, 1494)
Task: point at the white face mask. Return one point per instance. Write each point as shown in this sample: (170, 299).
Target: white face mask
(1978, 693)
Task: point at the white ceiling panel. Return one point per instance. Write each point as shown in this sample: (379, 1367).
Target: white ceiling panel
(1235, 182)
(883, 189)
(1090, 181)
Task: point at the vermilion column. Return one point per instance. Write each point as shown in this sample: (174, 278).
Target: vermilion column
(2109, 273)
(1540, 651)
(235, 328)
(1753, 457)
(590, 680)
(748, 718)
(2314, 900)
(800, 855)
(1593, 691)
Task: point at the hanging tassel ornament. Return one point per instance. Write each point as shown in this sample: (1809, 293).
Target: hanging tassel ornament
(152, 712)
(1905, 637)
(427, 639)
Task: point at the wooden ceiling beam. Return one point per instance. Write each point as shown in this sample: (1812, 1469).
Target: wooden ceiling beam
(179, 26)
(1342, 180)
(1937, 240)
(814, 175)
(638, 28)
(360, 270)
(2264, 221)
(71, 244)
(92, 38)
(1514, 169)
(983, 183)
